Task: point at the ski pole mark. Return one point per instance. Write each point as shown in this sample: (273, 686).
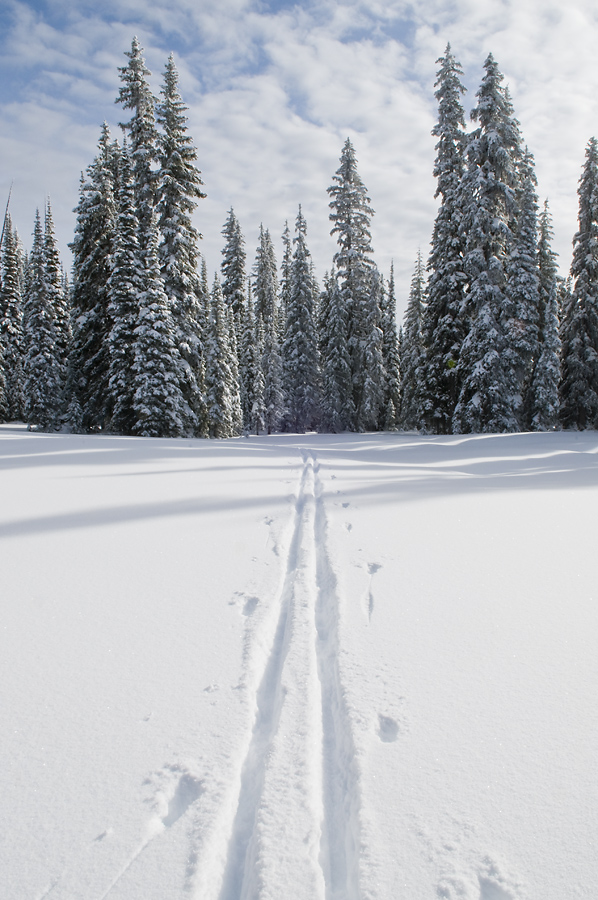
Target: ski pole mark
(372, 569)
(177, 790)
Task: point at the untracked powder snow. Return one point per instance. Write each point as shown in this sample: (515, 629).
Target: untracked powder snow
(326, 667)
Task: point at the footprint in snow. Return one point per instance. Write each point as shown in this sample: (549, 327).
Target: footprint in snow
(388, 731)
(174, 789)
(187, 791)
(487, 883)
(250, 605)
(489, 890)
(494, 885)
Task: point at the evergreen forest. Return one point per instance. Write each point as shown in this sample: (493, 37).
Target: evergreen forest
(140, 340)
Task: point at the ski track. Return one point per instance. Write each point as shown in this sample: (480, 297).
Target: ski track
(340, 838)
(297, 816)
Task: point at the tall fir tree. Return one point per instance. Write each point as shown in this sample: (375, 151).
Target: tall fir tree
(489, 401)
(232, 350)
(412, 350)
(285, 279)
(370, 414)
(274, 396)
(522, 310)
(43, 373)
(265, 282)
(390, 353)
(250, 359)
(4, 417)
(93, 246)
(178, 188)
(233, 268)
(443, 326)
(265, 293)
(564, 296)
(158, 403)
(257, 418)
(11, 324)
(135, 94)
(351, 213)
(579, 329)
(338, 411)
(300, 349)
(58, 296)
(222, 394)
(544, 397)
(126, 284)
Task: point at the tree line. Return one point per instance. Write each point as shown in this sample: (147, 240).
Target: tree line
(139, 342)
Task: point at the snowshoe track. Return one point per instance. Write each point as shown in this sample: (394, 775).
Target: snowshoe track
(297, 815)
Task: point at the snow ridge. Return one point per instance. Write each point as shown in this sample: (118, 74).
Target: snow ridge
(297, 814)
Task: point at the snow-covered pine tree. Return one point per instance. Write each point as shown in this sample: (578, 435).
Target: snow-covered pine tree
(265, 292)
(488, 401)
(274, 397)
(265, 282)
(234, 388)
(43, 373)
(351, 212)
(203, 310)
(59, 299)
(522, 307)
(564, 296)
(257, 418)
(219, 378)
(92, 248)
(158, 403)
(3, 398)
(544, 397)
(11, 324)
(178, 189)
(285, 279)
(234, 276)
(249, 359)
(135, 94)
(370, 415)
(338, 412)
(390, 353)
(300, 349)
(442, 327)
(412, 350)
(579, 329)
(125, 285)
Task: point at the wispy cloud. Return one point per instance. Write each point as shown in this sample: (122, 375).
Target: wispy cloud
(273, 90)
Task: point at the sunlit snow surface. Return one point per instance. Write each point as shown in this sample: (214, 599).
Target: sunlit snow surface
(341, 667)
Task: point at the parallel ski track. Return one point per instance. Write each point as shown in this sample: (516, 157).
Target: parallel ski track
(340, 832)
(301, 731)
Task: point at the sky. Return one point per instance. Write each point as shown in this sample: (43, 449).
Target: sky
(273, 90)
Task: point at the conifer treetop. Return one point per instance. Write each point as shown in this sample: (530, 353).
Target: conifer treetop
(499, 138)
(351, 209)
(135, 93)
(451, 123)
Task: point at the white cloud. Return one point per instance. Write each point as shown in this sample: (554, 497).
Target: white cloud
(273, 95)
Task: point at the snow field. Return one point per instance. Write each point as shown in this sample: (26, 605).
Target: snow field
(350, 667)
